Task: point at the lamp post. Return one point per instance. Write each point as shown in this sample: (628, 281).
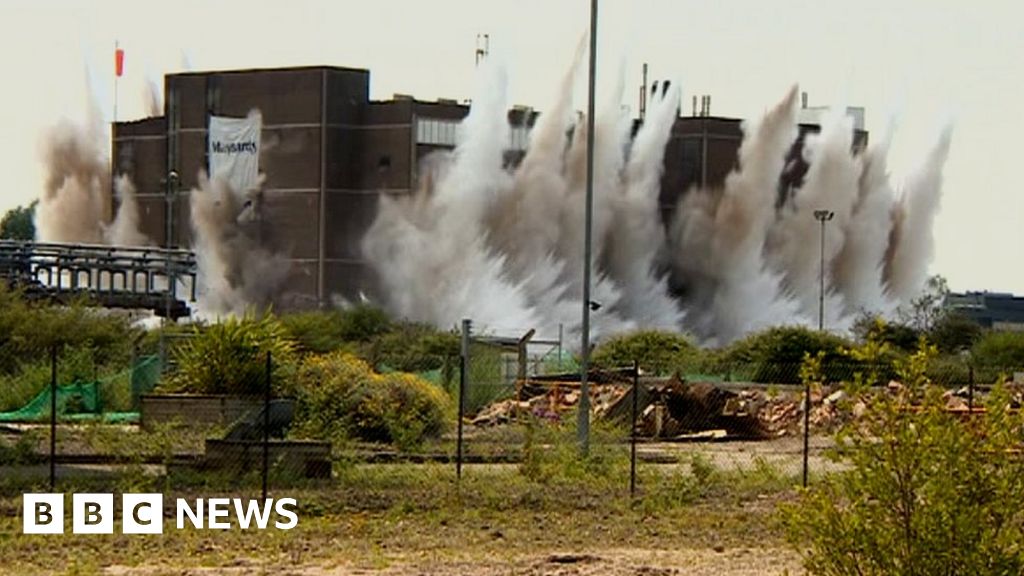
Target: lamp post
(822, 216)
(583, 410)
(170, 195)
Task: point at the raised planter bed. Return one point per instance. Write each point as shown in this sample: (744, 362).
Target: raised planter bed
(195, 409)
(305, 458)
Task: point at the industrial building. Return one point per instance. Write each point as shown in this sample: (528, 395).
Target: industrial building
(329, 152)
(995, 310)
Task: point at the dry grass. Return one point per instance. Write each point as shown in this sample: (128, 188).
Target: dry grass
(412, 519)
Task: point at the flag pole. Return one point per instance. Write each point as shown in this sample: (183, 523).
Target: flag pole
(117, 76)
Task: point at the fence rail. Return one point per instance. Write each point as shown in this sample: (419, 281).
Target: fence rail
(116, 276)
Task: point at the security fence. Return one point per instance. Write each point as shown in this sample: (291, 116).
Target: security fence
(74, 418)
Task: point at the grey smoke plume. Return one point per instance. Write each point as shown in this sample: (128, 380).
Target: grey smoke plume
(237, 269)
(76, 202)
(124, 230)
(719, 237)
(76, 193)
(633, 243)
(831, 184)
(504, 245)
(859, 266)
(914, 241)
(153, 99)
(459, 276)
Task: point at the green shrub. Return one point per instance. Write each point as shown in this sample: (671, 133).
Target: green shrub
(954, 332)
(27, 379)
(336, 329)
(339, 396)
(230, 357)
(775, 355)
(28, 331)
(1002, 350)
(925, 492)
(411, 347)
(656, 351)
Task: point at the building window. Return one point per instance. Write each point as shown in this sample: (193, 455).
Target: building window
(436, 132)
(444, 133)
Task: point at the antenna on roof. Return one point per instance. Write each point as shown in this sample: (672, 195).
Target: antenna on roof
(483, 46)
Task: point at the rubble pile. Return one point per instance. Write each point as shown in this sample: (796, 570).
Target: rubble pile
(551, 402)
(671, 408)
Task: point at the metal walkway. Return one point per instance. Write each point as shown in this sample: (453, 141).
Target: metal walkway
(111, 276)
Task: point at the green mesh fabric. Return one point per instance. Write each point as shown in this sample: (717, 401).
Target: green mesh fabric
(83, 400)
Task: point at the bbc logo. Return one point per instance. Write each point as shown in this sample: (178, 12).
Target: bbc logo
(93, 514)
(144, 513)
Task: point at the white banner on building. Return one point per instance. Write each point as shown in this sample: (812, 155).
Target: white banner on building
(235, 150)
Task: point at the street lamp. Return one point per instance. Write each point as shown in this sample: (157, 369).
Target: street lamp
(822, 216)
(170, 195)
(583, 410)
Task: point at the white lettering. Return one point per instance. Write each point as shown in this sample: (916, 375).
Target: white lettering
(246, 515)
(218, 508)
(282, 510)
(43, 514)
(185, 510)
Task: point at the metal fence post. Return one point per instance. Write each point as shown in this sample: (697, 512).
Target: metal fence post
(807, 428)
(463, 383)
(632, 430)
(53, 418)
(266, 424)
(970, 387)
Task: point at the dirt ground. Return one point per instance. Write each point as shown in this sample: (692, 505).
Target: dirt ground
(611, 562)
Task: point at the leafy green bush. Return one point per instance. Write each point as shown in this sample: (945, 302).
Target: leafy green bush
(656, 351)
(29, 378)
(775, 355)
(1003, 350)
(339, 396)
(412, 347)
(336, 329)
(954, 332)
(230, 357)
(28, 331)
(926, 492)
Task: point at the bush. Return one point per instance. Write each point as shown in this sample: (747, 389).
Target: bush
(322, 332)
(926, 492)
(411, 347)
(898, 336)
(29, 378)
(230, 357)
(339, 396)
(954, 332)
(775, 355)
(656, 351)
(29, 330)
(1001, 350)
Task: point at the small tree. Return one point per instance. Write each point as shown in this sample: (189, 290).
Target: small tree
(926, 491)
(18, 223)
(925, 310)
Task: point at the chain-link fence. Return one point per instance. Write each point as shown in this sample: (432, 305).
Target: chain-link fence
(72, 420)
(258, 420)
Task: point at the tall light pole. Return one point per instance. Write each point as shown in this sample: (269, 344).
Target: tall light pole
(822, 216)
(170, 195)
(583, 412)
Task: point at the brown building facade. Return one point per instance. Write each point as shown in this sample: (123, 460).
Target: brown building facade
(329, 152)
